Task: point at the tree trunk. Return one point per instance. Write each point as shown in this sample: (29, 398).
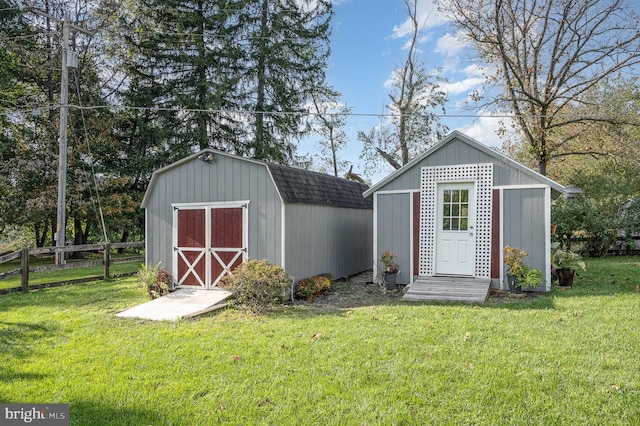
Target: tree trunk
(123, 239)
(260, 149)
(78, 237)
(201, 70)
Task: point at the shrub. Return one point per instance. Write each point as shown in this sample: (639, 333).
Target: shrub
(258, 284)
(525, 276)
(592, 222)
(313, 285)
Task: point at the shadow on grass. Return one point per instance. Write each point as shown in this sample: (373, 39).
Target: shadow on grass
(71, 295)
(16, 338)
(99, 413)
(16, 345)
(607, 282)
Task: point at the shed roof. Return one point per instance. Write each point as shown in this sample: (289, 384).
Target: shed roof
(299, 186)
(475, 144)
(295, 186)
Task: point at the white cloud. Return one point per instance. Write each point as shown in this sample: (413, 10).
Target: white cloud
(478, 70)
(428, 17)
(463, 86)
(474, 77)
(487, 128)
(450, 45)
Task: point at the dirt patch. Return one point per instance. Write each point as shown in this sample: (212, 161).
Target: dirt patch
(502, 296)
(356, 291)
(360, 290)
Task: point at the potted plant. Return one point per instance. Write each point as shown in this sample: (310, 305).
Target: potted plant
(519, 274)
(564, 264)
(155, 280)
(391, 269)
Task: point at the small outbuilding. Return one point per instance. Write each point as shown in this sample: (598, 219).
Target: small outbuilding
(449, 212)
(209, 212)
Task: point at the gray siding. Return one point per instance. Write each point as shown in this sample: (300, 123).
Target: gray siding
(457, 152)
(524, 224)
(394, 231)
(323, 239)
(227, 179)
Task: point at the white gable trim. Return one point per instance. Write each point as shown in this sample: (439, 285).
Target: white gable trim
(475, 144)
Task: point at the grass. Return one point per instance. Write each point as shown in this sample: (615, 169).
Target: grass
(566, 358)
(44, 277)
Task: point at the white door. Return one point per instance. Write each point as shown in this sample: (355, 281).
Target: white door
(455, 229)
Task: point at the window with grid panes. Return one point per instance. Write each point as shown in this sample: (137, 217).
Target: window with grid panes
(455, 214)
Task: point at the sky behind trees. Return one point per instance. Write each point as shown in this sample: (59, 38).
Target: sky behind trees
(369, 40)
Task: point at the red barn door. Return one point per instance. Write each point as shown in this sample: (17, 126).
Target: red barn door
(227, 247)
(210, 241)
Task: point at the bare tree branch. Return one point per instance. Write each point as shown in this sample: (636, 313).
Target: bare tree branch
(550, 54)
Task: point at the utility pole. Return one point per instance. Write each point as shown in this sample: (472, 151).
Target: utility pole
(68, 59)
(62, 154)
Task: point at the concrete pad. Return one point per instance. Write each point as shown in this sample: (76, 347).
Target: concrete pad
(182, 303)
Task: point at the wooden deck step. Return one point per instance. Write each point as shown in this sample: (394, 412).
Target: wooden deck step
(449, 289)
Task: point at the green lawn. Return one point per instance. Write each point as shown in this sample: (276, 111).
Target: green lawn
(45, 277)
(567, 358)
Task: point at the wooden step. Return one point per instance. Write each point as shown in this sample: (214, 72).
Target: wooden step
(449, 289)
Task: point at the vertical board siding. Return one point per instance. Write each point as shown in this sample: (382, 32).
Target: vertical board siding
(226, 179)
(458, 153)
(394, 231)
(323, 239)
(523, 227)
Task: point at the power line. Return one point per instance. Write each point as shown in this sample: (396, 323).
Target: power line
(93, 170)
(117, 108)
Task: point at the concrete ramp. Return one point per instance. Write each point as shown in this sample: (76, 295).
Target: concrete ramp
(182, 303)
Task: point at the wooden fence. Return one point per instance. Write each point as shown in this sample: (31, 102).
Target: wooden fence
(25, 255)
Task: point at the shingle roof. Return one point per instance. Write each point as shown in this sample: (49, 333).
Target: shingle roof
(299, 186)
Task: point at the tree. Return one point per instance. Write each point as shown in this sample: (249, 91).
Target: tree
(286, 45)
(548, 54)
(594, 145)
(328, 120)
(413, 124)
(32, 131)
(239, 72)
(184, 56)
(608, 204)
(31, 158)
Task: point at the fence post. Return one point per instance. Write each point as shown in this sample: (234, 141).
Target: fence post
(107, 260)
(24, 269)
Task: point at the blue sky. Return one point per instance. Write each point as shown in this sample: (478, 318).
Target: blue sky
(367, 44)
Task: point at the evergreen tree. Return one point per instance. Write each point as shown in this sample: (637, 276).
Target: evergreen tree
(286, 45)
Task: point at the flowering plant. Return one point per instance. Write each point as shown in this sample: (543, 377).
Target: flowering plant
(388, 260)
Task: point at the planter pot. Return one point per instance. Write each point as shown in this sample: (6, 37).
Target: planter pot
(156, 291)
(390, 281)
(565, 277)
(511, 282)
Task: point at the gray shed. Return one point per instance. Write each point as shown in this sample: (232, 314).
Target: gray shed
(450, 211)
(209, 212)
